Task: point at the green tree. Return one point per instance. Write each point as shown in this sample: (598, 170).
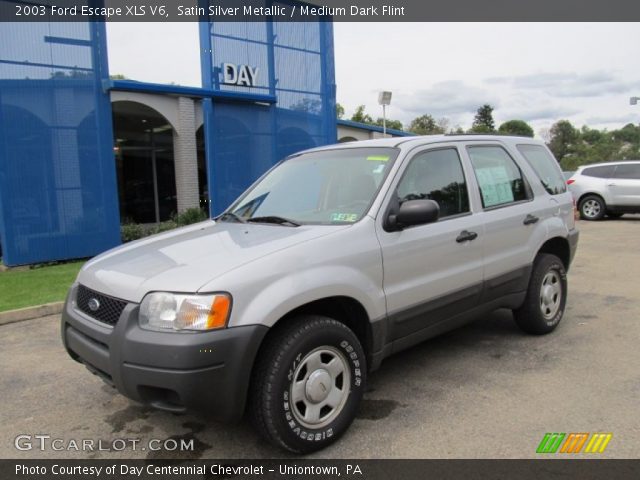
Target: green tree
(629, 133)
(444, 124)
(483, 121)
(516, 127)
(591, 136)
(563, 139)
(339, 111)
(394, 124)
(361, 116)
(575, 147)
(425, 125)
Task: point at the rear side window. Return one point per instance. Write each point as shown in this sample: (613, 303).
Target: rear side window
(628, 170)
(545, 167)
(499, 178)
(603, 171)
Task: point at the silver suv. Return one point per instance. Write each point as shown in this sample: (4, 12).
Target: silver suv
(611, 189)
(335, 259)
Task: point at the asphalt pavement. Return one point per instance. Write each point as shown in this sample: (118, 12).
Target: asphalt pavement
(484, 391)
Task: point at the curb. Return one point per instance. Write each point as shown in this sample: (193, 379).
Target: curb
(29, 313)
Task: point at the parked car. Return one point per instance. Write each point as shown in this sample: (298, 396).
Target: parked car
(568, 174)
(335, 259)
(611, 189)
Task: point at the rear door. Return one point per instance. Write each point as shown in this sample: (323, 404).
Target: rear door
(512, 217)
(624, 187)
(432, 272)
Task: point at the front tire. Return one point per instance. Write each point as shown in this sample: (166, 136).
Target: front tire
(546, 298)
(308, 383)
(592, 207)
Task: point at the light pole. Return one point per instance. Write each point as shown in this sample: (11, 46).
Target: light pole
(384, 99)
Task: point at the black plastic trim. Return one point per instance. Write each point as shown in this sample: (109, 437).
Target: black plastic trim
(445, 313)
(207, 371)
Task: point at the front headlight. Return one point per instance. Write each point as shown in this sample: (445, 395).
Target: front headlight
(173, 311)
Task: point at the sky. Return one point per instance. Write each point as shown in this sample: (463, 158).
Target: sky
(537, 72)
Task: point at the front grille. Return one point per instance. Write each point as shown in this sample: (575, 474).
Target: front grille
(108, 308)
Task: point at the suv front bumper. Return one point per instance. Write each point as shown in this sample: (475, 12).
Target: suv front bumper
(206, 371)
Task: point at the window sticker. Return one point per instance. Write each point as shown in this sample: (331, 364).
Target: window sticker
(344, 217)
(378, 158)
(495, 186)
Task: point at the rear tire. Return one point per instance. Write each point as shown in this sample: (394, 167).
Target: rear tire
(592, 207)
(308, 383)
(546, 298)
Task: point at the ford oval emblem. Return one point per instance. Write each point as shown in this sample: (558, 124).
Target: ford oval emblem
(93, 304)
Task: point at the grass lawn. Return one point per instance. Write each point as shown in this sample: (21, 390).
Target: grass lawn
(26, 288)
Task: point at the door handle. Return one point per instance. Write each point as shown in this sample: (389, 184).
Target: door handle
(611, 184)
(466, 236)
(530, 220)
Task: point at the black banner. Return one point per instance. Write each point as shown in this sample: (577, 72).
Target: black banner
(583, 469)
(335, 10)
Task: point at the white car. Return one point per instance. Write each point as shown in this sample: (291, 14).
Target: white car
(611, 189)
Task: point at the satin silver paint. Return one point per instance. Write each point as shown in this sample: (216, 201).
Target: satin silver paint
(270, 269)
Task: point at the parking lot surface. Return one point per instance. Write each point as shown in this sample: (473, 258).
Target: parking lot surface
(484, 391)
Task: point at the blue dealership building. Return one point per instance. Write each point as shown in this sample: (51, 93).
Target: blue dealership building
(81, 153)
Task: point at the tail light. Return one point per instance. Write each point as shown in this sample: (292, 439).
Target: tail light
(570, 181)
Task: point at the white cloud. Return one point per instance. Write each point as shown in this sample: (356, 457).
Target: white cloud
(538, 72)
(618, 121)
(446, 99)
(570, 85)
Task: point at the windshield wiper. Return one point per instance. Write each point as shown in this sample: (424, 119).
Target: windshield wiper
(274, 219)
(230, 216)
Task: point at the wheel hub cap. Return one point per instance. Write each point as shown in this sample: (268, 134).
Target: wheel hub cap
(591, 208)
(318, 386)
(550, 295)
(547, 295)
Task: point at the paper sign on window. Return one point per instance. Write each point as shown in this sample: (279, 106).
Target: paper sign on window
(495, 186)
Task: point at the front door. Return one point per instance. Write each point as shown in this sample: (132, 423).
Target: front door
(432, 272)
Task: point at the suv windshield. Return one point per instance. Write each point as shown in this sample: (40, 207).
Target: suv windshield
(325, 187)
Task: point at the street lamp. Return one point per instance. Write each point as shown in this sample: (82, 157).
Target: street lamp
(634, 100)
(384, 99)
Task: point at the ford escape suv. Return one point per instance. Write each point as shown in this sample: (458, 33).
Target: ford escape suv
(335, 259)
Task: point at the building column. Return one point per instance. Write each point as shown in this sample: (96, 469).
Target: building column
(185, 155)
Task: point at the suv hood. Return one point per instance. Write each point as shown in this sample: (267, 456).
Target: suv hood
(186, 259)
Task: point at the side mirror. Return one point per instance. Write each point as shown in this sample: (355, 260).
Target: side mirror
(414, 212)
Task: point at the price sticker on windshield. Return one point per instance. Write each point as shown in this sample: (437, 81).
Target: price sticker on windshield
(378, 158)
(344, 217)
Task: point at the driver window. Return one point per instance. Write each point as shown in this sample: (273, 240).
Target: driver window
(436, 175)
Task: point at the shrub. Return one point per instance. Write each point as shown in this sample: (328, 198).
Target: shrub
(189, 216)
(163, 227)
(132, 231)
